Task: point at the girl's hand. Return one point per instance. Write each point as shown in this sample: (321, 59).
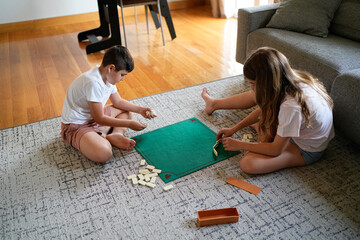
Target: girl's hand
(137, 126)
(231, 144)
(147, 113)
(224, 132)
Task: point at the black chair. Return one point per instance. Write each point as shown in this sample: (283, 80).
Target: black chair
(109, 24)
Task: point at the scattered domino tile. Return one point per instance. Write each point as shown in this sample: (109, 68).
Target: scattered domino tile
(153, 175)
(153, 179)
(142, 182)
(141, 177)
(150, 167)
(134, 181)
(131, 176)
(142, 162)
(144, 171)
(168, 187)
(149, 184)
(147, 178)
(156, 170)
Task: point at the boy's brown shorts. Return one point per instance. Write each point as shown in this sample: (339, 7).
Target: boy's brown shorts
(72, 133)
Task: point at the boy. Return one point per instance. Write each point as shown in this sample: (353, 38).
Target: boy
(90, 126)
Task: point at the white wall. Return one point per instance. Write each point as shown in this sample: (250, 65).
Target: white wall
(25, 10)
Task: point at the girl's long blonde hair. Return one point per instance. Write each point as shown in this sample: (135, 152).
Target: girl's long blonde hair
(274, 79)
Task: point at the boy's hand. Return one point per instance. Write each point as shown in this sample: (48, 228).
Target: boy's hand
(148, 113)
(224, 132)
(137, 126)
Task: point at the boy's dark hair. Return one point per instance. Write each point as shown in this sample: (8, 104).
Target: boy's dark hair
(120, 57)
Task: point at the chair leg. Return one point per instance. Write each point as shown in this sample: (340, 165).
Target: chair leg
(135, 12)
(161, 25)
(147, 19)
(123, 22)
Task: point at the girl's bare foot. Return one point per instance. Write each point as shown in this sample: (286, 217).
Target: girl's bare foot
(209, 101)
(118, 140)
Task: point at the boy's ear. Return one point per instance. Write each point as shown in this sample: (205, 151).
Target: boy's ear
(111, 67)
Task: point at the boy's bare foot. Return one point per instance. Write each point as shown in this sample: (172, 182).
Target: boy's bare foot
(118, 140)
(209, 101)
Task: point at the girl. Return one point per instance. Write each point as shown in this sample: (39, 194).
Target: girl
(293, 119)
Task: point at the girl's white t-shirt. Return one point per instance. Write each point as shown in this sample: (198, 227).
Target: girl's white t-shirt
(88, 87)
(292, 122)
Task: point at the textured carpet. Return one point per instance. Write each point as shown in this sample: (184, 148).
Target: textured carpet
(50, 191)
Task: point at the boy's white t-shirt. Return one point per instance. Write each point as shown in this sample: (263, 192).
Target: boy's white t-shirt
(292, 122)
(88, 87)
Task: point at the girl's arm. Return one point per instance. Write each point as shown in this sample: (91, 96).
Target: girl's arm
(252, 118)
(97, 112)
(274, 148)
(125, 105)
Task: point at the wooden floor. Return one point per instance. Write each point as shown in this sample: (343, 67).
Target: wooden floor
(37, 66)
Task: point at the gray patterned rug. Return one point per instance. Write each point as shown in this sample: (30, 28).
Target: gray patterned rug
(50, 191)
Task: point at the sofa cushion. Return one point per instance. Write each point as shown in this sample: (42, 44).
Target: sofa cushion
(345, 94)
(325, 58)
(346, 21)
(308, 16)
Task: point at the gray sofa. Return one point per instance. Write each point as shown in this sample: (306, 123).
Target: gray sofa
(334, 59)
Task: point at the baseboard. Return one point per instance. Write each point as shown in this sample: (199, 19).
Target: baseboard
(86, 17)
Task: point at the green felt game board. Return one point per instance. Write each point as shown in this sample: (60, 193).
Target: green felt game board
(180, 148)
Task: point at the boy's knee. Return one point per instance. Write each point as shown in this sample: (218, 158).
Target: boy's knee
(102, 154)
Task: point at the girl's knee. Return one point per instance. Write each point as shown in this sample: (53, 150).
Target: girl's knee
(247, 165)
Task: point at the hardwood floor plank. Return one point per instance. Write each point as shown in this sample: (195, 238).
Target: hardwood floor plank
(39, 64)
(6, 113)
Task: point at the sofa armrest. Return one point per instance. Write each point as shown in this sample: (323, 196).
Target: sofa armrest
(250, 19)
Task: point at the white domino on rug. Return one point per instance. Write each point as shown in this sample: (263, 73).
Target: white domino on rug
(150, 167)
(168, 187)
(147, 178)
(142, 182)
(149, 184)
(134, 181)
(153, 179)
(144, 171)
(156, 170)
(142, 162)
(131, 176)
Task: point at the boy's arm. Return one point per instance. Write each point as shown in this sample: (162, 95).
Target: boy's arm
(125, 105)
(97, 112)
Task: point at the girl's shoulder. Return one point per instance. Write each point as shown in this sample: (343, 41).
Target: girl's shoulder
(289, 102)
